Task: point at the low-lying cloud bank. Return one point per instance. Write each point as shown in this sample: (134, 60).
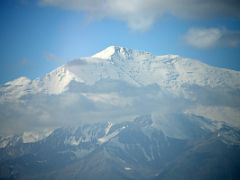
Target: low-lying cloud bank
(107, 100)
(104, 101)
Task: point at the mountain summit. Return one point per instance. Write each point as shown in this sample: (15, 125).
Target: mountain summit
(112, 51)
(117, 52)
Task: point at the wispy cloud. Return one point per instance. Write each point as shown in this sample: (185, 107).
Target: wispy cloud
(54, 58)
(106, 100)
(24, 62)
(204, 38)
(111, 100)
(141, 14)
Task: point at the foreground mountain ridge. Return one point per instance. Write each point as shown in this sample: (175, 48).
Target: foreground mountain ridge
(129, 150)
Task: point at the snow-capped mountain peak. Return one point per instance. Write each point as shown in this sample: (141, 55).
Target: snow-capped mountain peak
(132, 66)
(56, 81)
(112, 51)
(120, 53)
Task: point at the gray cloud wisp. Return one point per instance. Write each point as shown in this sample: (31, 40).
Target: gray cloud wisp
(141, 14)
(204, 38)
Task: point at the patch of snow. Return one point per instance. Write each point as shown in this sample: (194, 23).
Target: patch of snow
(9, 141)
(72, 141)
(230, 137)
(107, 129)
(128, 168)
(108, 137)
(4, 141)
(79, 153)
(35, 136)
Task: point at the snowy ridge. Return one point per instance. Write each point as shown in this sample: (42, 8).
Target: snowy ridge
(86, 133)
(169, 71)
(135, 67)
(9, 141)
(54, 82)
(141, 68)
(72, 141)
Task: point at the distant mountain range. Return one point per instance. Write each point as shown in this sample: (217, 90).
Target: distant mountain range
(122, 114)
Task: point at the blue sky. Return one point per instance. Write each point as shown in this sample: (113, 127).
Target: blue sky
(38, 36)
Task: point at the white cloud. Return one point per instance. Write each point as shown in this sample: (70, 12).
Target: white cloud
(103, 101)
(141, 14)
(204, 38)
(115, 101)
